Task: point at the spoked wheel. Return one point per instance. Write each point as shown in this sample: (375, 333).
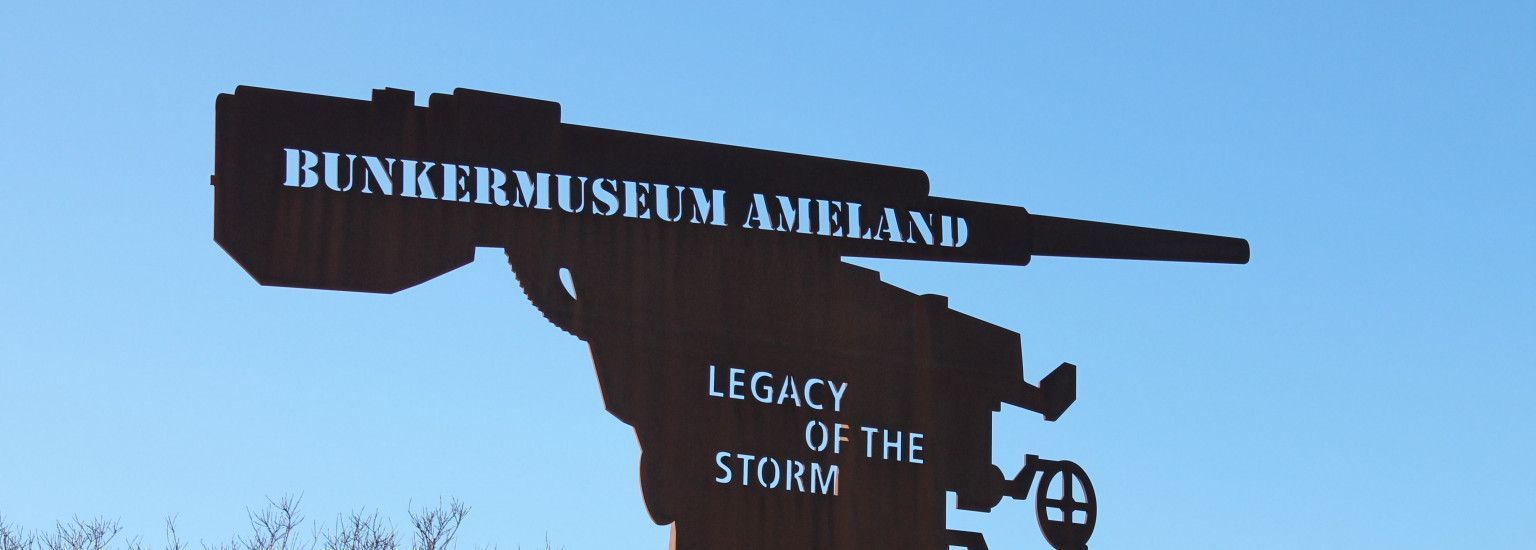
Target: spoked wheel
(1074, 517)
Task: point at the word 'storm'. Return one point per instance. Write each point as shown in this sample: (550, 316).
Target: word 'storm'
(774, 473)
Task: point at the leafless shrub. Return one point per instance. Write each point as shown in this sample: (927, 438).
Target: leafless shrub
(79, 534)
(172, 540)
(14, 538)
(271, 528)
(436, 527)
(360, 532)
(548, 546)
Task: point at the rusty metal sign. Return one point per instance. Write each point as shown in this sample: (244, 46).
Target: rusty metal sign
(782, 398)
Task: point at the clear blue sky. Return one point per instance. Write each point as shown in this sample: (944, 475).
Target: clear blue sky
(1364, 383)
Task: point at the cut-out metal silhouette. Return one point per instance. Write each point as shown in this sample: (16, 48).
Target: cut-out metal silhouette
(782, 398)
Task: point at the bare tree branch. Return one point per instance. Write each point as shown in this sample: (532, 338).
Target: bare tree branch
(436, 527)
(272, 528)
(95, 534)
(360, 532)
(172, 540)
(13, 537)
(233, 544)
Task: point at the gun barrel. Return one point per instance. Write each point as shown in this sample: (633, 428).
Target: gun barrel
(1052, 236)
(378, 196)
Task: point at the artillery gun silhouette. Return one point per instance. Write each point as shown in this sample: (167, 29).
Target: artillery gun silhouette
(663, 255)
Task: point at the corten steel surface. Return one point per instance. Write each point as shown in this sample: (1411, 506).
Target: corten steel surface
(676, 312)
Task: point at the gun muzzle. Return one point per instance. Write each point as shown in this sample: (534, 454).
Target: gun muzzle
(1052, 236)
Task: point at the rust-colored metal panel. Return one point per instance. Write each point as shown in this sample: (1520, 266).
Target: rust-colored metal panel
(782, 398)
